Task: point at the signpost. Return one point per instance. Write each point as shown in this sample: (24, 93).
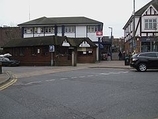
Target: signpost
(99, 34)
(51, 50)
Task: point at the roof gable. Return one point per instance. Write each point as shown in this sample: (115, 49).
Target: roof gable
(139, 12)
(65, 43)
(150, 10)
(84, 44)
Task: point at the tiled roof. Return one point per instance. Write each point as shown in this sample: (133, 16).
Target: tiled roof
(60, 21)
(142, 10)
(47, 40)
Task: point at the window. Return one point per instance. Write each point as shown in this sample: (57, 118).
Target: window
(70, 29)
(41, 30)
(28, 30)
(148, 55)
(59, 30)
(35, 30)
(49, 30)
(91, 29)
(15, 51)
(21, 51)
(34, 51)
(45, 50)
(150, 24)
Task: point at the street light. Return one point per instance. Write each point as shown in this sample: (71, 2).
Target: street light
(133, 26)
(111, 42)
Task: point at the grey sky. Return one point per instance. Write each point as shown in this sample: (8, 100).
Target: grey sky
(113, 13)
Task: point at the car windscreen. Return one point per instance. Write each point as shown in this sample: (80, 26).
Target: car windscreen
(148, 55)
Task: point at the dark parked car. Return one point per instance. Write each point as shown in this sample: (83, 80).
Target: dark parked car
(9, 62)
(145, 60)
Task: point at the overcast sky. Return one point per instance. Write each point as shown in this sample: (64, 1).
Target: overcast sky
(113, 13)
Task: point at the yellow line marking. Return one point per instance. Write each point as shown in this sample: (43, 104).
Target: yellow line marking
(9, 83)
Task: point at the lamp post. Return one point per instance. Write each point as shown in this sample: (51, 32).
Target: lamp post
(133, 26)
(111, 42)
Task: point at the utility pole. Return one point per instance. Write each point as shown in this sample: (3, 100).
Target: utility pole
(29, 9)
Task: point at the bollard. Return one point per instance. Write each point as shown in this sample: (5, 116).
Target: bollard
(0, 67)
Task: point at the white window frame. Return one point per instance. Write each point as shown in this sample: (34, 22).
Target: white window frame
(49, 30)
(150, 24)
(28, 30)
(69, 29)
(59, 30)
(91, 29)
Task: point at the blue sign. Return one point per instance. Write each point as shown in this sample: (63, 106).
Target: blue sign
(51, 48)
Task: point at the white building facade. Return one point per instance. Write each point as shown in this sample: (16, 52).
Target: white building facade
(63, 26)
(141, 35)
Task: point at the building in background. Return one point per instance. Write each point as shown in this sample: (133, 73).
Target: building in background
(74, 27)
(111, 46)
(9, 33)
(144, 35)
(72, 40)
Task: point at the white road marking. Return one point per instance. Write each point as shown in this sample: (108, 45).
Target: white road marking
(35, 82)
(63, 78)
(121, 72)
(81, 76)
(50, 80)
(73, 77)
(90, 75)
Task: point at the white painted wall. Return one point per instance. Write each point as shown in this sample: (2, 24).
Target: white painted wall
(70, 35)
(28, 35)
(92, 36)
(81, 31)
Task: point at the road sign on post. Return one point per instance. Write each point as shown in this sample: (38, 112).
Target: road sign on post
(99, 33)
(51, 48)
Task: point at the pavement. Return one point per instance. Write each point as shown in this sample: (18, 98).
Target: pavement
(6, 76)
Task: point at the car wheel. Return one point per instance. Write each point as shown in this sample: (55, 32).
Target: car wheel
(142, 67)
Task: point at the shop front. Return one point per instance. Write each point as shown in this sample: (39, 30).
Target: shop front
(149, 44)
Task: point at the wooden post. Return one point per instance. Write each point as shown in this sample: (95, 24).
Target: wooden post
(74, 59)
(52, 61)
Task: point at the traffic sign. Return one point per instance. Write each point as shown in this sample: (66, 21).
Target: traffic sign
(99, 33)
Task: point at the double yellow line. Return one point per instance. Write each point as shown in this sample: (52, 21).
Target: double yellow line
(12, 79)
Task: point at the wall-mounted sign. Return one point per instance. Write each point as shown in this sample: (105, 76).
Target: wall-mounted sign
(51, 48)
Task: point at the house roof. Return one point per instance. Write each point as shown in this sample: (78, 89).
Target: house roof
(142, 10)
(60, 21)
(46, 40)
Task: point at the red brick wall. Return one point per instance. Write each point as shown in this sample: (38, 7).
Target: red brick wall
(86, 58)
(44, 58)
(39, 59)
